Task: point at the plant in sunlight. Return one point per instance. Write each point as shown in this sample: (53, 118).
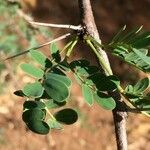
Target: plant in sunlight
(52, 86)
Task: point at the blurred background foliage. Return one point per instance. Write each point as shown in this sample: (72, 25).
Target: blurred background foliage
(16, 34)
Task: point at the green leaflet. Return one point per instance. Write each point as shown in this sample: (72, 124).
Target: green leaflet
(53, 124)
(33, 114)
(105, 101)
(87, 94)
(104, 83)
(67, 116)
(33, 71)
(86, 71)
(55, 52)
(19, 93)
(33, 90)
(137, 58)
(50, 104)
(59, 77)
(138, 89)
(56, 89)
(34, 104)
(39, 57)
(39, 127)
(142, 85)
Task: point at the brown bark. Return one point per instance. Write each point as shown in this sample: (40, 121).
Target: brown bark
(119, 114)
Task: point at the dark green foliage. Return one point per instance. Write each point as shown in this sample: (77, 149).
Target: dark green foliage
(51, 89)
(103, 83)
(39, 127)
(34, 104)
(67, 116)
(55, 52)
(33, 114)
(19, 93)
(59, 77)
(56, 89)
(50, 104)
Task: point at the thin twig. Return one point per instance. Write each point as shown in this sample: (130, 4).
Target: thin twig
(37, 47)
(73, 27)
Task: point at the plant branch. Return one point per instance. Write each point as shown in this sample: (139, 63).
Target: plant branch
(37, 47)
(87, 21)
(65, 26)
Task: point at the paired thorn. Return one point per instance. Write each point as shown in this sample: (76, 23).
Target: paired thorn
(73, 27)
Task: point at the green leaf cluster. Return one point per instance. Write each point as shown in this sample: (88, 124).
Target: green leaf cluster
(139, 96)
(132, 47)
(94, 84)
(50, 90)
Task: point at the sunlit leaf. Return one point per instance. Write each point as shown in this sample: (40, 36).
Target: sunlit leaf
(39, 57)
(33, 89)
(105, 101)
(61, 78)
(87, 94)
(53, 124)
(31, 70)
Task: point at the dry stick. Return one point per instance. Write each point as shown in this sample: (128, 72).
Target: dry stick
(119, 113)
(65, 26)
(37, 47)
